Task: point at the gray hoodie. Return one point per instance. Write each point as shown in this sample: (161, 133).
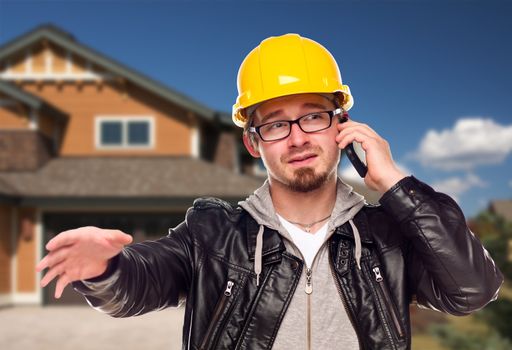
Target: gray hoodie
(318, 320)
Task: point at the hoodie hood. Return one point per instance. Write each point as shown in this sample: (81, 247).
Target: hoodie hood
(260, 206)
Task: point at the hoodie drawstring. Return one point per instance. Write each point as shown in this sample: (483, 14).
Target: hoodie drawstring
(259, 249)
(258, 254)
(357, 239)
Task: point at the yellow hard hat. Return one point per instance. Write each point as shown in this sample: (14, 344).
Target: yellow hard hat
(287, 65)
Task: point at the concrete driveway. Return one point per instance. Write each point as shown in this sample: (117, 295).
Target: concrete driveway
(81, 328)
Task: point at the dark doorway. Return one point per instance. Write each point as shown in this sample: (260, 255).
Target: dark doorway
(142, 226)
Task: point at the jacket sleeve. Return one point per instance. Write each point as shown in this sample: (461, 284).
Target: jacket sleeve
(448, 267)
(143, 277)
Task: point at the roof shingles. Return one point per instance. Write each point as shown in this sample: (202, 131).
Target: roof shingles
(130, 177)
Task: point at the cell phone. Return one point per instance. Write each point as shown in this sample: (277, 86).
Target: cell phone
(355, 151)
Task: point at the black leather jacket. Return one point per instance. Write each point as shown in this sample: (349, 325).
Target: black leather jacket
(416, 247)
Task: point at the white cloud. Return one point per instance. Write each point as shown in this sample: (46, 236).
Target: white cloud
(456, 186)
(470, 143)
(348, 172)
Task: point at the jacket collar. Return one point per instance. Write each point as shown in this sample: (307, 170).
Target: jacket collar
(361, 221)
(272, 242)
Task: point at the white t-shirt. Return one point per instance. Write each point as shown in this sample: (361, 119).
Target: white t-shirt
(308, 243)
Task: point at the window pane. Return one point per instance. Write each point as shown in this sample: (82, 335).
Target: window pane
(138, 133)
(111, 133)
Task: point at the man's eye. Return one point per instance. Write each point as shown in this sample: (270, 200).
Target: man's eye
(277, 125)
(314, 116)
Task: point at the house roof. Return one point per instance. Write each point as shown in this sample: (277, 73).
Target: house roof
(30, 100)
(503, 208)
(128, 177)
(64, 39)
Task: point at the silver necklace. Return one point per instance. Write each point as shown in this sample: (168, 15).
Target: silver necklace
(307, 227)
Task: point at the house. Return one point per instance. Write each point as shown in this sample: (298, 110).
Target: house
(502, 207)
(85, 140)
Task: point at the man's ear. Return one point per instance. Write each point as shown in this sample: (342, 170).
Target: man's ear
(250, 146)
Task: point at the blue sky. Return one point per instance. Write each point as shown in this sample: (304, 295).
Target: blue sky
(432, 77)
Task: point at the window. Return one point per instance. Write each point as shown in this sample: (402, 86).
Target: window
(111, 133)
(124, 132)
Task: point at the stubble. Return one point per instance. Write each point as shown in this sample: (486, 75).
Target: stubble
(306, 180)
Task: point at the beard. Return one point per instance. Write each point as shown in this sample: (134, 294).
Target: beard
(307, 180)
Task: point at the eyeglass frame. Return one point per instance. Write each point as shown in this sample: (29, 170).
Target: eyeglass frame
(332, 113)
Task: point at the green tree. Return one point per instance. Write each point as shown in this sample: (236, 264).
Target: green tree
(498, 314)
(495, 233)
(452, 338)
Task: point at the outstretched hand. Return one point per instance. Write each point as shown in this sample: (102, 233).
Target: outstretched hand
(80, 254)
(383, 173)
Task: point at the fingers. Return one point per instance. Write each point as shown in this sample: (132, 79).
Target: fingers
(352, 131)
(52, 273)
(42, 264)
(363, 138)
(62, 281)
(52, 259)
(351, 126)
(61, 284)
(62, 239)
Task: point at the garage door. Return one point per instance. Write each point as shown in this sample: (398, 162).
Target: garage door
(142, 226)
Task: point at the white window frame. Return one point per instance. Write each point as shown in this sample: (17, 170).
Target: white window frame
(124, 136)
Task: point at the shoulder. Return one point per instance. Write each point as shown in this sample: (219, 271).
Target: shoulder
(380, 227)
(213, 213)
(214, 207)
(219, 229)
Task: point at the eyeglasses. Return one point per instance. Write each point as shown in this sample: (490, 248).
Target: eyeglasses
(281, 129)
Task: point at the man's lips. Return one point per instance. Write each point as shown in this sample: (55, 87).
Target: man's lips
(303, 158)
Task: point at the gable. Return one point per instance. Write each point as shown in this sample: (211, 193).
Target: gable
(49, 53)
(95, 92)
(44, 60)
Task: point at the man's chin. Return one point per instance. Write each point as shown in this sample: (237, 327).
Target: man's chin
(306, 180)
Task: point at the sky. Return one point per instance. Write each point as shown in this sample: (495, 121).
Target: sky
(433, 78)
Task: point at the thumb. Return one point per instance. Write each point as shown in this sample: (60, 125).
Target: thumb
(119, 238)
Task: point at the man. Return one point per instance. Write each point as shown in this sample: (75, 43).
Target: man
(304, 262)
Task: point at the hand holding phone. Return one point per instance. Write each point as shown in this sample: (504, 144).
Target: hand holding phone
(384, 172)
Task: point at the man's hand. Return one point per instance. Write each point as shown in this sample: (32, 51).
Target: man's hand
(382, 170)
(80, 254)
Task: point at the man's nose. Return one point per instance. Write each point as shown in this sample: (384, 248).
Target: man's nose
(297, 136)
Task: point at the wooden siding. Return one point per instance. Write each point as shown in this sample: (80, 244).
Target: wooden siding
(13, 117)
(58, 60)
(87, 101)
(71, 88)
(39, 59)
(17, 63)
(5, 249)
(47, 126)
(78, 64)
(26, 251)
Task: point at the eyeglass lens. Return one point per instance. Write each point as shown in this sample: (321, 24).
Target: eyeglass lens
(308, 123)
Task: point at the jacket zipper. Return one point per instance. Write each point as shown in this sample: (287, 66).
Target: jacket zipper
(308, 289)
(388, 302)
(380, 304)
(343, 300)
(216, 314)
